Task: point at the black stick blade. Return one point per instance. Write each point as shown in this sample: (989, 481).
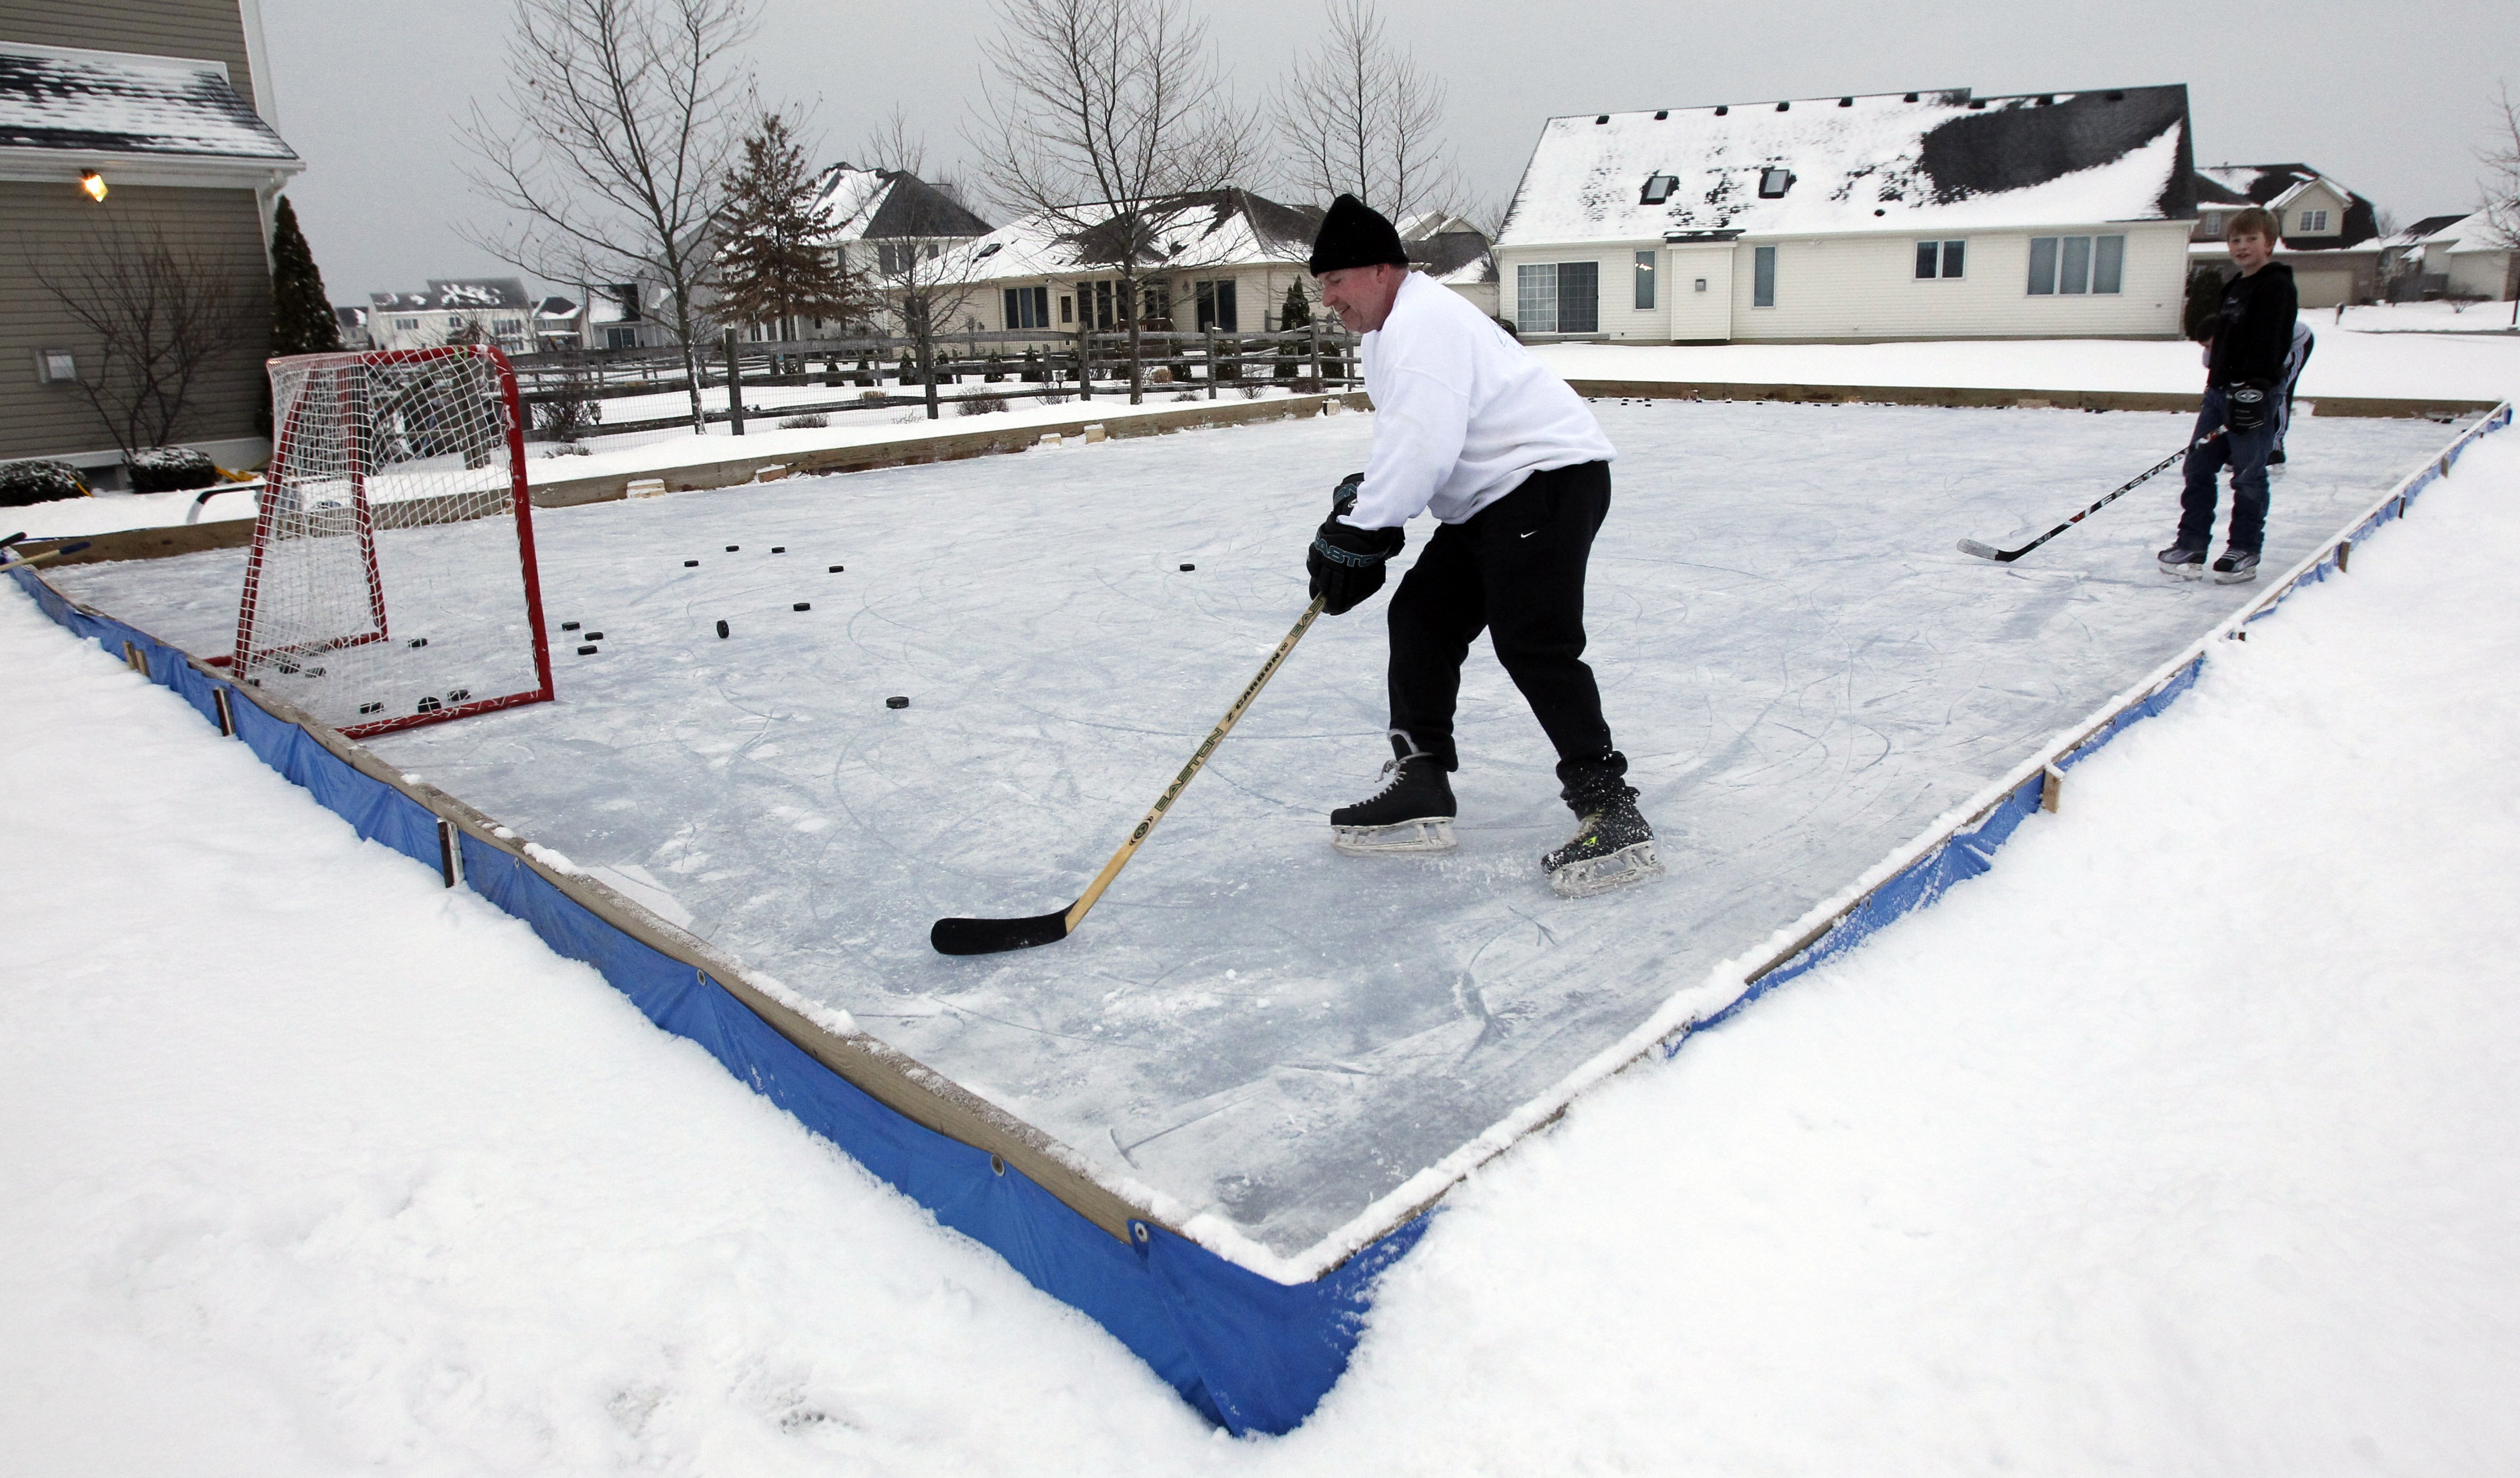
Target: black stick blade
(996, 936)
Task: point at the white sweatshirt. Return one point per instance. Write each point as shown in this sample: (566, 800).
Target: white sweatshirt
(1461, 413)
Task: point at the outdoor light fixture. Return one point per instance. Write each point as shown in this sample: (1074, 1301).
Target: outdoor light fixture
(93, 184)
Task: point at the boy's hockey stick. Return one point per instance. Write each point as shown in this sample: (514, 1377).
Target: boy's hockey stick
(2007, 556)
(990, 936)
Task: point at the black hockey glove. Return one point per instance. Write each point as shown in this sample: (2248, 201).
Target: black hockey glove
(1346, 562)
(2248, 407)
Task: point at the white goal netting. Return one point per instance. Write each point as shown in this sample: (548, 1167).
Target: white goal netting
(391, 580)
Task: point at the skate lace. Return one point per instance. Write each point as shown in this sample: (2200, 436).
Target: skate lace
(1390, 776)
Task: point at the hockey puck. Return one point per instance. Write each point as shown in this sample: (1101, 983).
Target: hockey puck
(896, 702)
(836, 569)
(779, 548)
(804, 606)
(568, 626)
(594, 636)
(687, 563)
(586, 651)
(1186, 568)
(721, 630)
(420, 640)
(731, 548)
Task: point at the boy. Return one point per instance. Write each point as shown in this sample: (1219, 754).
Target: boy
(2245, 349)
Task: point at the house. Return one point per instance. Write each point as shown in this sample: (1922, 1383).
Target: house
(2456, 256)
(352, 324)
(491, 309)
(559, 323)
(1930, 214)
(876, 221)
(2329, 234)
(1222, 260)
(121, 126)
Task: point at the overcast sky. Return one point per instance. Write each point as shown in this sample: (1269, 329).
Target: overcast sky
(2389, 99)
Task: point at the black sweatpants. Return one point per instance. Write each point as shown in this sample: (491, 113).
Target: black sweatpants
(1514, 569)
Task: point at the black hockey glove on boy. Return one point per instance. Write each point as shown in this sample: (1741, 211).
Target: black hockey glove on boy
(1346, 562)
(2248, 407)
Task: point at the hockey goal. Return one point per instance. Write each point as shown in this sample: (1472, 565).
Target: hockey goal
(391, 580)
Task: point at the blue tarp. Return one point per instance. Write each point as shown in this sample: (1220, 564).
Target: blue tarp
(1253, 1355)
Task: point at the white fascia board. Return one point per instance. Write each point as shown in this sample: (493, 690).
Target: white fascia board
(257, 56)
(183, 171)
(88, 54)
(1916, 233)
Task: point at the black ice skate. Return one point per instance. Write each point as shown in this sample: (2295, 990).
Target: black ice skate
(2234, 568)
(1412, 812)
(1612, 847)
(2187, 563)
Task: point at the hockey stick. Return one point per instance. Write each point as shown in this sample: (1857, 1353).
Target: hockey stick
(2007, 556)
(990, 936)
(50, 553)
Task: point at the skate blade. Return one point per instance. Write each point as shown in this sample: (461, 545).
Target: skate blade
(2243, 577)
(2183, 571)
(1631, 863)
(1428, 834)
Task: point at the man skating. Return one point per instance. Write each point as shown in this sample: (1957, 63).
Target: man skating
(1468, 426)
(2245, 354)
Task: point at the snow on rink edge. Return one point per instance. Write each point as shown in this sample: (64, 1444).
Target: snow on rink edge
(391, 1265)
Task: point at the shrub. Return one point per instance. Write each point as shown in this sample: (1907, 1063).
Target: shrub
(171, 470)
(804, 422)
(1160, 375)
(1253, 391)
(2204, 299)
(979, 405)
(873, 396)
(571, 448)
(1187, 395)
(1055, 397)
(26, 482)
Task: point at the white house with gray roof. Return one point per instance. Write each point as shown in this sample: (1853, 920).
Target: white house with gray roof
(490, 309)
(1929, 214)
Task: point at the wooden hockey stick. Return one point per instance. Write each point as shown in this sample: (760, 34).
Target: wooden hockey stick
(50, 553)
(991, 936)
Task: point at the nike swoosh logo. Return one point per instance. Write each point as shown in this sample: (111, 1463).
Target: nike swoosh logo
(1526, 536)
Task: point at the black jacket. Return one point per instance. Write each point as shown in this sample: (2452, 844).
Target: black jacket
(2252, 328)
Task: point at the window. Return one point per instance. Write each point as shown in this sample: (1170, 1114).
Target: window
(407, 324)
(508, 327)
(617, 337)
(1644, 279)
(1762, 277)
(2310, 222)
(1658, 189)
(1773, 182)
(1557, 297)
(1028, 307)
(1941, 258)
(2076, 264)
(1067, 309)
(455, 320)
(2213, 223)
(1155, 305)
(1216, 306)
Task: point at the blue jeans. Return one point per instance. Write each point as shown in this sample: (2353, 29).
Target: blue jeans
(2245, 453)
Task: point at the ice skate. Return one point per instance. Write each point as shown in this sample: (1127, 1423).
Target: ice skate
(1612, 847)
(1412, 812)
(2236, 567)
(2182, 561)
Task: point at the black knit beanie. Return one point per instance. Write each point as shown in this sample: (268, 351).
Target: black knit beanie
(1354, 235)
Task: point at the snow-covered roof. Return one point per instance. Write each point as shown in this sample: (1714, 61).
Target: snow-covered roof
(2471, 232)
(889, 205)
(1888, 161)
(1217, 228)
(2276, 187)
(455, 295)
(1454, 258)
(94, 102)
(557, 308)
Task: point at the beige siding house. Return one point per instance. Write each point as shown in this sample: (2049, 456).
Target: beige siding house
(1915, 215)
(163, 109)
(2330, 234)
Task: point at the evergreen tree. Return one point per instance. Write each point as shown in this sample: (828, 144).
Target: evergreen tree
(777, 265)
(302, 316)
(1297, 311)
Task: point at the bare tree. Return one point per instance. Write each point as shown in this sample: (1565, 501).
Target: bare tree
(1102, 114)
(929, 274)
(2500, 185)
(163, 317)
(1358, 117)
(623, 120)
(893, 144)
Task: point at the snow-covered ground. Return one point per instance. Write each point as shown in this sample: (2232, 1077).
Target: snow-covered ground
(2370, 354)
(2182, 1143)
(1287, 1049)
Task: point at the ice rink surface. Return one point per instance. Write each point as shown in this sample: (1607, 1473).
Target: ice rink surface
(1801, 668)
